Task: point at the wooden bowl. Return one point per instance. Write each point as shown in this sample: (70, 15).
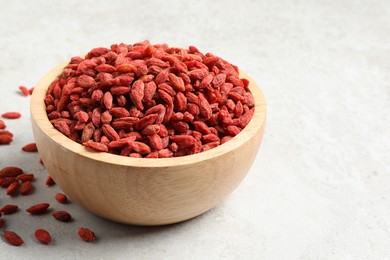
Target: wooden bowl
(145, 191)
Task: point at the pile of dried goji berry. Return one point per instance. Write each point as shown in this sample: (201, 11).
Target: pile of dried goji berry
(152, 101)
(16, 182)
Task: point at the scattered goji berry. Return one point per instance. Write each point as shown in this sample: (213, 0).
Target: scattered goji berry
(24, 91)
(86, 234)
(6, 181)
(11, 115)
(49, 181)
(62, 216)
(2, 124)
(12, 188)
(9, 209)
(13, 238)
(10, 171)
(42, 236)
(5, 139)
(25, 177)
(25, 188)
(61, 198)
(32, 147)
(38, 209)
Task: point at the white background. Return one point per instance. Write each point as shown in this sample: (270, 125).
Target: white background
(320, 186)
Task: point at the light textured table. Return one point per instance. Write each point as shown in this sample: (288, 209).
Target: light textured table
(320, 186)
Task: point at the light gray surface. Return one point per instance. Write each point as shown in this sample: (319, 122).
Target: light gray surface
(320, 186)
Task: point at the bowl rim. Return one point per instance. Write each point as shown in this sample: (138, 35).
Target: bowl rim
(39, 116)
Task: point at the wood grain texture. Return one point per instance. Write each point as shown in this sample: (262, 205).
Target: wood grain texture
(145, 191)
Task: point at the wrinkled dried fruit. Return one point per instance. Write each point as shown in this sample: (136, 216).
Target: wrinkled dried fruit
(24, 91)
(25, 177)
(2, 222)
(6, 132)
(9, 209)
(38, 209)
(11, 115)
(96, 146)
(86, 234)
(110, 132)
(2, 124)
(12, 188)
(5, 182)
(63, 127)
(42, 236)
(5, 139)
(10, 171)
(62, 216)
(13, 238)
(49, 181)
(61, 198)
(25, 188)
(30, 147)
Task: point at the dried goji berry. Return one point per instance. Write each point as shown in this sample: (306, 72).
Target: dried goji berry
(62, 216)
(32, 147)
(42, 236)
(96, 146)
(6, 132)
(140, 148)
(107, 100)
(137, 93)
(11, 115)
(38, 209)
(110, 132)
(63, 127)
(49, 181)
(9, 209)
(25, 188)
(86, 234)
(12, 188)
(61, 198)
(13, 238)
(10, 171)
(87, 132)
(6, 181)
(86, 81)
(24, 91)
(5, 139)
